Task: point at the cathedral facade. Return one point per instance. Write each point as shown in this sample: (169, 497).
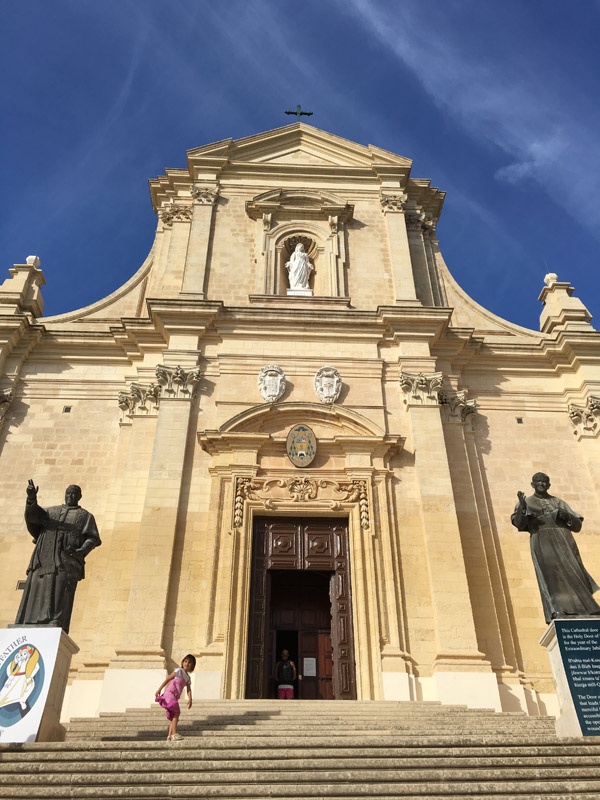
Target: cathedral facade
(296, 431)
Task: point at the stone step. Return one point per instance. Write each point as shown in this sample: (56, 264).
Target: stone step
(199, 730)
(351, 748)
(278, 725)
(503, 790)
(385, 769)
(218, 761)
(267, 774)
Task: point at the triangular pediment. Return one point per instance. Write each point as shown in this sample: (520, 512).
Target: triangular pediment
(295, 145)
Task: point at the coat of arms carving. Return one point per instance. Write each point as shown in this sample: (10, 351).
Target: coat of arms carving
(328, 384)
(271, 383)
(301, 447)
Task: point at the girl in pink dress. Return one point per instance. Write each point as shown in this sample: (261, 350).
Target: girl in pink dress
(170, 699)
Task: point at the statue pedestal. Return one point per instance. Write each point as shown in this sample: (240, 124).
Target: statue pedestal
(34, 669)
(299, 292)
(573, 647)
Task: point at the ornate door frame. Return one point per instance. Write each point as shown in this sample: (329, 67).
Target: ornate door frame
(296, 546)
(240, 490)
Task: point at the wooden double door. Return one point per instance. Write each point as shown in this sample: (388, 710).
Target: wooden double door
(300, 601)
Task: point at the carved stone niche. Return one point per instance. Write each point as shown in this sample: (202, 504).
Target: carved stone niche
(315, 216)
(586, 419)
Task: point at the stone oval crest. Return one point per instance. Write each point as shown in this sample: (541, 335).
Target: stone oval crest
(301, 445)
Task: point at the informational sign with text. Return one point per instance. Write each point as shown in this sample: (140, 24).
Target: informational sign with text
(27, 659)
(579, 643)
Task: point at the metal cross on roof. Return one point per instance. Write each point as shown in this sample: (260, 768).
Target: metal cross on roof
(299, 113)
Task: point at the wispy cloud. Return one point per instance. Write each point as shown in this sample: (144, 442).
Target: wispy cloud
(545, 128)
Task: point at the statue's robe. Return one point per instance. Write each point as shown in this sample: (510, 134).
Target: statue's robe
(54, 570)
(566, 586)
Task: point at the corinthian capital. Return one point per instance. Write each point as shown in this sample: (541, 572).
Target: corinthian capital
(393, 202)
(204, 195)
(177, 381)
(586, 419)
(455, 405)
(421, 390)
(174, 212)
(6, 399)
(139, 401)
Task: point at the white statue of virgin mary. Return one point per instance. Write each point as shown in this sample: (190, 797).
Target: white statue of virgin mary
(299, 268)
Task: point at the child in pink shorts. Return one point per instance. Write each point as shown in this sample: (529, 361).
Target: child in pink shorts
(177, 681)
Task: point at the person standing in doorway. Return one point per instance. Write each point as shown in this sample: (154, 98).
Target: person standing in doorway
(285, 675)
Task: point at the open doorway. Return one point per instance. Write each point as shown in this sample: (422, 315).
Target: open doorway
(300, 622)
(301, 600)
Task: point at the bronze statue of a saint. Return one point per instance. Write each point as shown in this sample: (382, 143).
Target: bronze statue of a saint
(566, 586)
(63, 536)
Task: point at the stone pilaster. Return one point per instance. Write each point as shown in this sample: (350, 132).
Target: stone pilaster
(194, 277)
(418, 254)
(175, 218)
(460, 670)
(141, 645)
(400, 255)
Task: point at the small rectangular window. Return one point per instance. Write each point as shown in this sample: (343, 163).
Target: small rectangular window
(67, 409)
(519, 420)
(21, 585)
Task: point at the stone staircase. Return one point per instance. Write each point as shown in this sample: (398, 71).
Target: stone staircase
(308, 749)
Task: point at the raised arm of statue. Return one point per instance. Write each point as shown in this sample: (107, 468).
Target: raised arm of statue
(521, 518)
(36, 517)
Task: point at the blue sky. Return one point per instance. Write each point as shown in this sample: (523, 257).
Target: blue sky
(496, 103)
